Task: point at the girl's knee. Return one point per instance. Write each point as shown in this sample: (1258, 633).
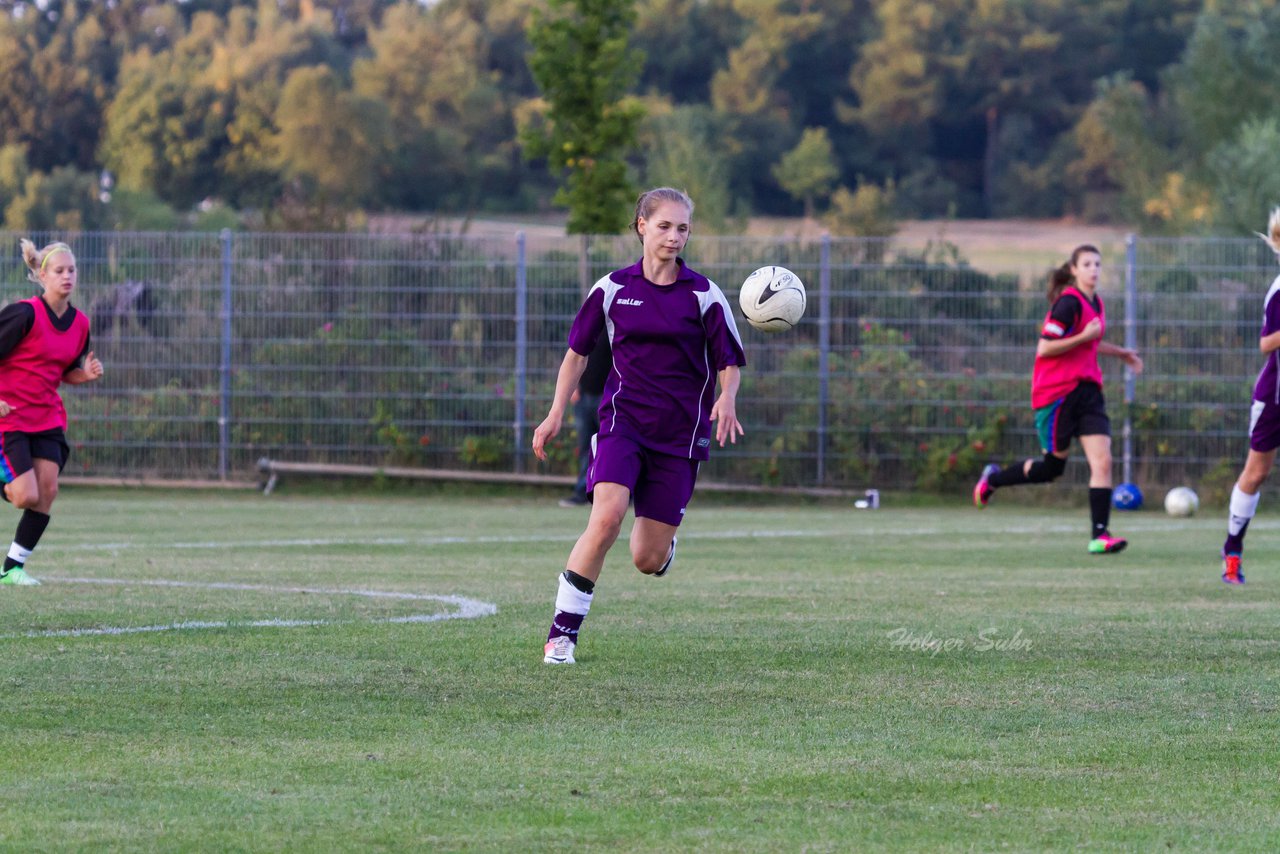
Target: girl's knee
(605, 527)
(648, 562)
(25, 500)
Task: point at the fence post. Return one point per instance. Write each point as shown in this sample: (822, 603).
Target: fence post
(224, 405)
(522, 346)
(1131, 342)
(824, 348)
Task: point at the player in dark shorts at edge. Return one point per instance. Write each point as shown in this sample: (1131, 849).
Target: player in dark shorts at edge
(673, 338)
(1066, 394)
(1264, 425)
(44, 342)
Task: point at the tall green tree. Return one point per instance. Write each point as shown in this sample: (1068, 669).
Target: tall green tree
(583, 63)
(809, 170)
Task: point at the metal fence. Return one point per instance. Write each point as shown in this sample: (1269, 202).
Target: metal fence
(440, 351)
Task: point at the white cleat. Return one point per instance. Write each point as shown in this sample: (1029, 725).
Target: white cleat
(559, 651)
(671, 556)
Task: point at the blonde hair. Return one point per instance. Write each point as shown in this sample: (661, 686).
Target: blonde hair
(35, 258)
(650, 199)
(1272, 237)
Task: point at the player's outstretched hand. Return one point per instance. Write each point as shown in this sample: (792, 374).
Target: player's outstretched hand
(725, 416)
(92, 366)
(544, 433)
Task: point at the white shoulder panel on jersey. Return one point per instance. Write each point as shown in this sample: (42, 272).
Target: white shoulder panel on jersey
(1275, 287)
(712, 296)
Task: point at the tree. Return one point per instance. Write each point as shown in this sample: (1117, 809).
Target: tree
(683, 150)
(584, 66)
(451, 122)
(809, 170)
(865, 212)
(1244, 179)
(64, 200)
(330, 141)
(1228, 73)
(747, 91)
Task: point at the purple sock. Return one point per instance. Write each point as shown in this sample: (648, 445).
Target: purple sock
(573, 601)
(1235, 542)
(566, 624)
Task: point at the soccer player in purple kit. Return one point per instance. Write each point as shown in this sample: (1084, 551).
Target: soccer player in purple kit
(673, 338)
(44, 342)
(1264, 425)
(1066, 395)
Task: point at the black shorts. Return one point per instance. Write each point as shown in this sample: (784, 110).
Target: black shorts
(19, 450)
(1083, 412)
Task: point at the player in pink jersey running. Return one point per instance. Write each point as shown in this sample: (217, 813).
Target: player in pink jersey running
(1066, 394)
(44, 342)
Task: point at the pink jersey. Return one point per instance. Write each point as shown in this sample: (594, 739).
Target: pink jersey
(1054, 377)
(31, 373)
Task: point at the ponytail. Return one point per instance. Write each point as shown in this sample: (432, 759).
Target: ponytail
(1058, 281)
(34, 258)
(1272, 237)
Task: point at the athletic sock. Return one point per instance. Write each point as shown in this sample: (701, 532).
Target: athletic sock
(572, 605)
(30, 528)
(1243, 506)
(1011, 475)
(1100, 509)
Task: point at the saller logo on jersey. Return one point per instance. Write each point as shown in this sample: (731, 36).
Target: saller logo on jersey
(627, 301)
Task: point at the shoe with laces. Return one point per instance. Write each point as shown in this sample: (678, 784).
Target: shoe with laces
(1232, 572)
(18, 575)
(1107, 545)
(982, 490)
(559, 650)
(671, 556)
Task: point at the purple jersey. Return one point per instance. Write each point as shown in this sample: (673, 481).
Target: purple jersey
(1268, 385)
(669, 343)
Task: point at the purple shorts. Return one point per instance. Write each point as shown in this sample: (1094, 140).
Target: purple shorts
(1264, 426)
(661, 485)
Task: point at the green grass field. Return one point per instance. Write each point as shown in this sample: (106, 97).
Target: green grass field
(807, 678)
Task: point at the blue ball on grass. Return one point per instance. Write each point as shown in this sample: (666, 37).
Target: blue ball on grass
(1127, 496)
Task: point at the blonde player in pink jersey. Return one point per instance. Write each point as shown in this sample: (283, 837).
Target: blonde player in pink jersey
(44, 342)
(1066, 394)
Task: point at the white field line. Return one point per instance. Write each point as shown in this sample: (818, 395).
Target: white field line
(466, 609)
(1122, 525)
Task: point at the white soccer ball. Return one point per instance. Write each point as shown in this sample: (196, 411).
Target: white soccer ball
(1181, 501)
(772, 299)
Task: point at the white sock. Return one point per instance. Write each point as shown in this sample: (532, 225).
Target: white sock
(18, 553)
(571, 600)
(1243, 506)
